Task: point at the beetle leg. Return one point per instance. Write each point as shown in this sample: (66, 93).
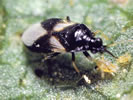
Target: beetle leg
(87, 55)
(51, 56)
(83, 76)
(73, 63)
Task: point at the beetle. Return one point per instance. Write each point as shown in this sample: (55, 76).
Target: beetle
(55, 36)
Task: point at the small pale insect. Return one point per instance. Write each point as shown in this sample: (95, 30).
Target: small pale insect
(55, 36)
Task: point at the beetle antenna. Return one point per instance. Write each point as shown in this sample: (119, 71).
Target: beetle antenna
(110, 53)
(68, 18)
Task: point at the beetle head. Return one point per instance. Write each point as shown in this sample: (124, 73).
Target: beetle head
(96, 45)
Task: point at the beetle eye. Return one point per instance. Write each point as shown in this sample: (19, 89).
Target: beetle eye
(98, 42)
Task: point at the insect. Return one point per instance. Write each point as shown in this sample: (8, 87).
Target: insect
(55, 36)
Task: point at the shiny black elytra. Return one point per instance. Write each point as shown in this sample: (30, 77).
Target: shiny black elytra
(55, 36)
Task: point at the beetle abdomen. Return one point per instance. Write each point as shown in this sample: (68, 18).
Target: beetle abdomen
(39, 38)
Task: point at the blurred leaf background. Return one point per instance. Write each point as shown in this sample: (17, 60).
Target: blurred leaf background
(18, 79)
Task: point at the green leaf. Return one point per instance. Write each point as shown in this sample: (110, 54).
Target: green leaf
(19, 67)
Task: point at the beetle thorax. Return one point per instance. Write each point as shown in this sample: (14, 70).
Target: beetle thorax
(87, 42)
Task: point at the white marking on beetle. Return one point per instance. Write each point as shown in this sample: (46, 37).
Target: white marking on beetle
(33, 33)
(78, 33)
(88, 39)
(61, 26)
(92, 40)
(84, 37)
(37, 45)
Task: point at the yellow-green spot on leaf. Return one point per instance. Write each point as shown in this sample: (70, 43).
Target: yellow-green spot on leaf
(124, 60)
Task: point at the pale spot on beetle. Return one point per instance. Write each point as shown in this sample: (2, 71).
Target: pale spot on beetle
(78, 33)
(84, 37)
(37, 45)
